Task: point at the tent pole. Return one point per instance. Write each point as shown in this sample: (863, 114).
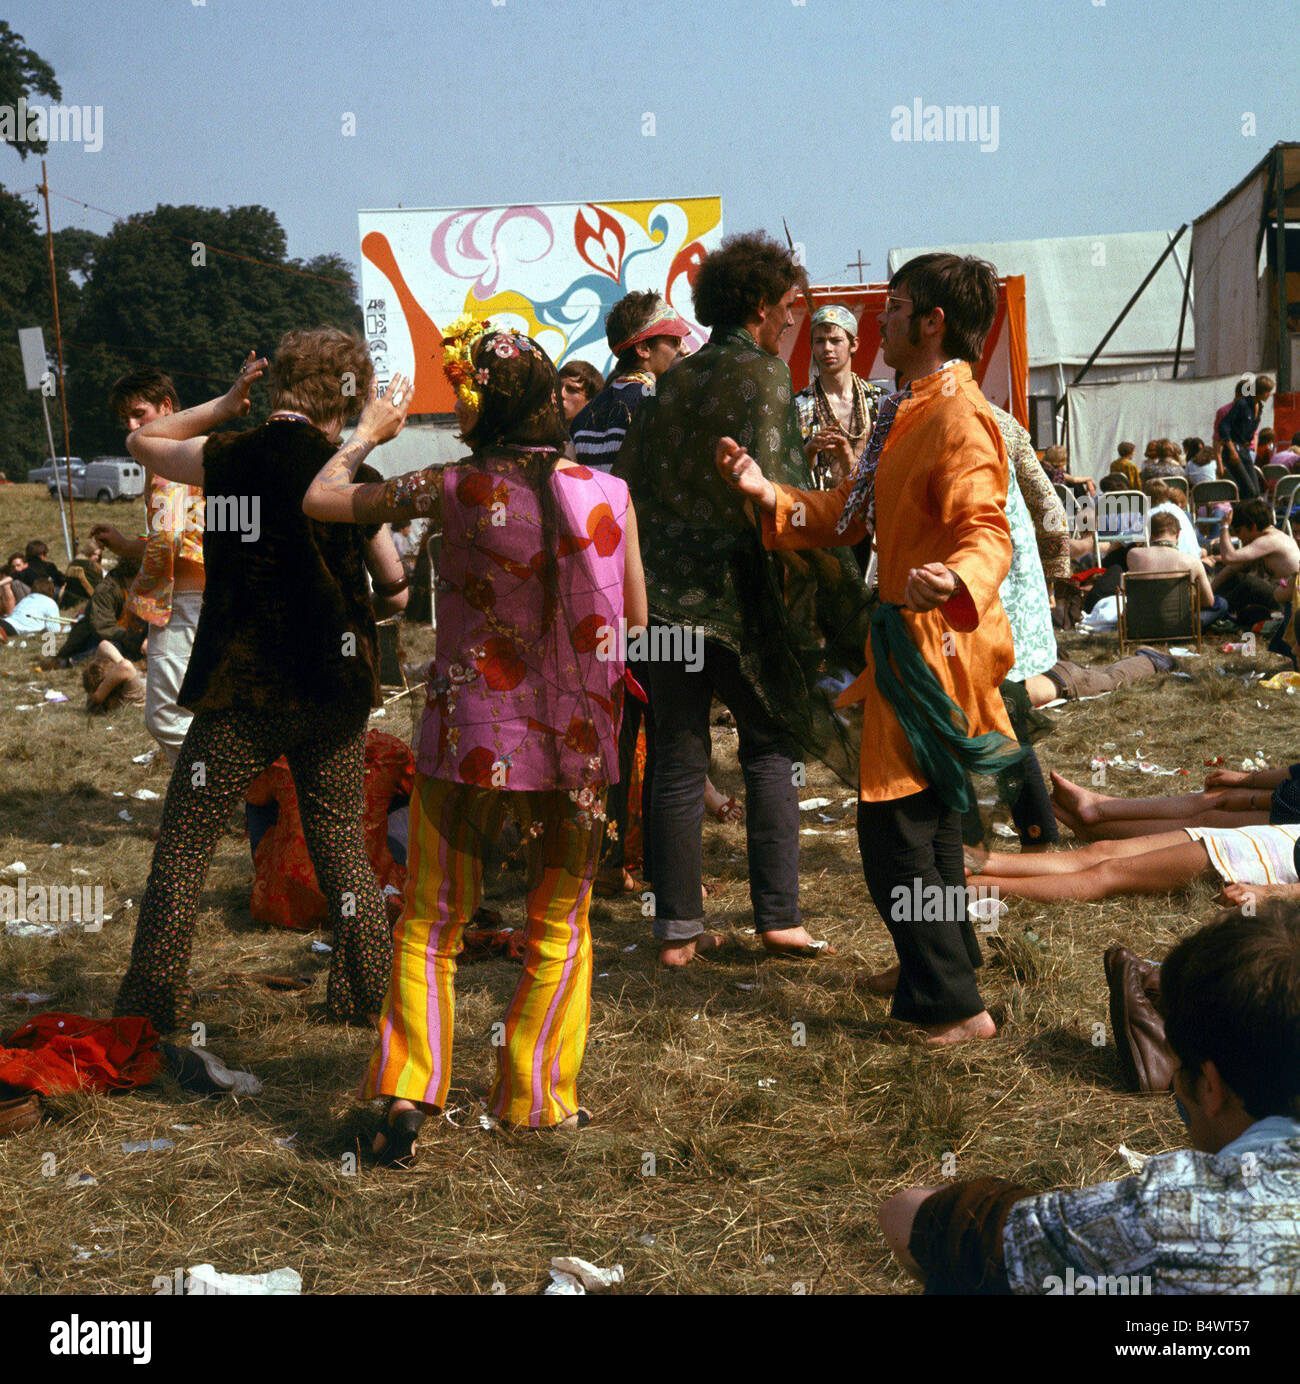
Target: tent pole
(1283, 342)
(1182, 316)
(1115, 325)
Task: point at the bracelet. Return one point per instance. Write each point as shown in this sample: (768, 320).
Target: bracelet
(391, 588)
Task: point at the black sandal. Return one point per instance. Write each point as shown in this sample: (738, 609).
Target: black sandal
(399, 1133)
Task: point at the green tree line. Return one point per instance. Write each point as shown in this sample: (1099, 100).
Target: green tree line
(188, 289)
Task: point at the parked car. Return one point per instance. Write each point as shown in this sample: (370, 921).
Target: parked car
(44, 474)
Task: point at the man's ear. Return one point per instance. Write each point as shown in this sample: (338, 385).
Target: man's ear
(935, 323)
(1213, 1094)
(166, 408)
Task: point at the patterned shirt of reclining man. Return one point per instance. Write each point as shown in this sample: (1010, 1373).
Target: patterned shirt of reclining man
(1189, 1222)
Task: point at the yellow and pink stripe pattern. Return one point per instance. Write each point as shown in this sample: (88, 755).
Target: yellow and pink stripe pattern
(546, 1025)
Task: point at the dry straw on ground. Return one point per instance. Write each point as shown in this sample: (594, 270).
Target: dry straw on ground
(726, 1157)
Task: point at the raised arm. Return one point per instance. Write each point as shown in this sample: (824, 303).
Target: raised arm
(792, 518)
(172, 446)
(334, 497)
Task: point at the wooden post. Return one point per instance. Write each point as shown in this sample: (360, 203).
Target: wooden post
(58, 342)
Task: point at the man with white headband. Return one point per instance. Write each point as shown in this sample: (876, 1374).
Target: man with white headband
(838, 408)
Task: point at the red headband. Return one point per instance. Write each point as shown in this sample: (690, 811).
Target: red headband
(663, 321)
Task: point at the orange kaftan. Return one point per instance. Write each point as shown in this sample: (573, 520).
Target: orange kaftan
(941, 495)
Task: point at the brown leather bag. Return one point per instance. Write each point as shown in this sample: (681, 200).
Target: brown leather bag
(22, 1113)
(1134, 985)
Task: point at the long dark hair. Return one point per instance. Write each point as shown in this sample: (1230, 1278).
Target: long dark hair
(519, 414)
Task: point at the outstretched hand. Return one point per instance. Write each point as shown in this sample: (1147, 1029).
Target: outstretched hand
(237, 402)
(742, 473)
(384, 415)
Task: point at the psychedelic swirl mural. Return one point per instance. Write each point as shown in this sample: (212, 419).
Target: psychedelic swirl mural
(552, 270)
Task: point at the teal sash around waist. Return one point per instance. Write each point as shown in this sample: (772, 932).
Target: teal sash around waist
(934, 724)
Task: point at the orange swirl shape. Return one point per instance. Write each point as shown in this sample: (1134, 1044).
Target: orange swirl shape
(433, 394)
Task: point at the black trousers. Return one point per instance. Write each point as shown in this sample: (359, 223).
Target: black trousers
(617, 799)
(681, 701)
(912, 860)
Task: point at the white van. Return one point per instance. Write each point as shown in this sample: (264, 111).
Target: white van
(104, 479)
(110, 478)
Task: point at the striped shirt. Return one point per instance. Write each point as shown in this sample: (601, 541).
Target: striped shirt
(598, 431)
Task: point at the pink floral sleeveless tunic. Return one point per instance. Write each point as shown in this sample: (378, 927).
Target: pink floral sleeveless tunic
(512, 704)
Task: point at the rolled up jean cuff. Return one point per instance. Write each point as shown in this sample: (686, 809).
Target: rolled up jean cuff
(676, 930)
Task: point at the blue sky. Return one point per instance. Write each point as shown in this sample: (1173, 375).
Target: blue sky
(1126, 115)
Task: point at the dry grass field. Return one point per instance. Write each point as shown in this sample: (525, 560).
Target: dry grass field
(726, 1157)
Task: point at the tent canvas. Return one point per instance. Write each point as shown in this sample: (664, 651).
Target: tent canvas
(1075, 288)
(1101, 416)
(1002, 371)
(1235, 250)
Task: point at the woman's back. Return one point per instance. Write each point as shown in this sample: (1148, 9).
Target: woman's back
(522, 698)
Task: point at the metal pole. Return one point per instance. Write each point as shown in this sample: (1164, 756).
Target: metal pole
(1115, 325)
(58, 342)
(1283, 337)
(54, 473)
(1182, 316)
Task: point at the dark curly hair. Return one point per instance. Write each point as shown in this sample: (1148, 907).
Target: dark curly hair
(747, 272)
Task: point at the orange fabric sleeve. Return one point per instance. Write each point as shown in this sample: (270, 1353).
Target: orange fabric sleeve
(807, 519)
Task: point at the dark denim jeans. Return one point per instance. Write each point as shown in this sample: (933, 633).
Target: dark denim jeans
(681, 701)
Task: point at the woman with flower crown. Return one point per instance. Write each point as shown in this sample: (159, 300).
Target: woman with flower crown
(540, 562)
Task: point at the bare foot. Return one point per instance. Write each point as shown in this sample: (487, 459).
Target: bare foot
(883, 983)
(677, 954)
(580, 1120)
(794, 941)
(1253, 895)
(979, 1025)
(1079, 802)
(1076, 824)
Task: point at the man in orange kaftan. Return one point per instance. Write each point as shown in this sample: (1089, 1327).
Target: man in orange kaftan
(931, 489)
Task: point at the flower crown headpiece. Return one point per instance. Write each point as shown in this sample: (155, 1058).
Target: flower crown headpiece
(458, 342)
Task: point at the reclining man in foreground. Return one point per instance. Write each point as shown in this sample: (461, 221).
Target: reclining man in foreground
(1222, 1217)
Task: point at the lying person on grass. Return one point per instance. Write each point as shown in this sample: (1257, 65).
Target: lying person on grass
(1231, 799)
(1254, 860)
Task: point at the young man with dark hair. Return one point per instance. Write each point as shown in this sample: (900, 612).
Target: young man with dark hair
(39, 565)
(1249, 577)
(167, 593)
(645, 336)
(709, 579)
(1221, 1217)
(1236, 432)
(579, 383)
(932, 488)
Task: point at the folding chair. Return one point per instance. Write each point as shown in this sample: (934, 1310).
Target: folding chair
(1284, 500)
(1178, 483)
(1273, 473)
(1158, 608)
(1210, 493)
(1122, 516)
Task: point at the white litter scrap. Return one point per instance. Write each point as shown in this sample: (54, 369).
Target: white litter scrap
(811, 804)
(204, 1278)
(147, 1145)
(576, 1277)
(1135, 1161)
(52, 696)
(14, 869)
(145, 795)
(81, 1180)
(126, 816)
(146, 757)
(20, 927)
(321, 948)
(1001, 829)
(985, 910)
(28, 997)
